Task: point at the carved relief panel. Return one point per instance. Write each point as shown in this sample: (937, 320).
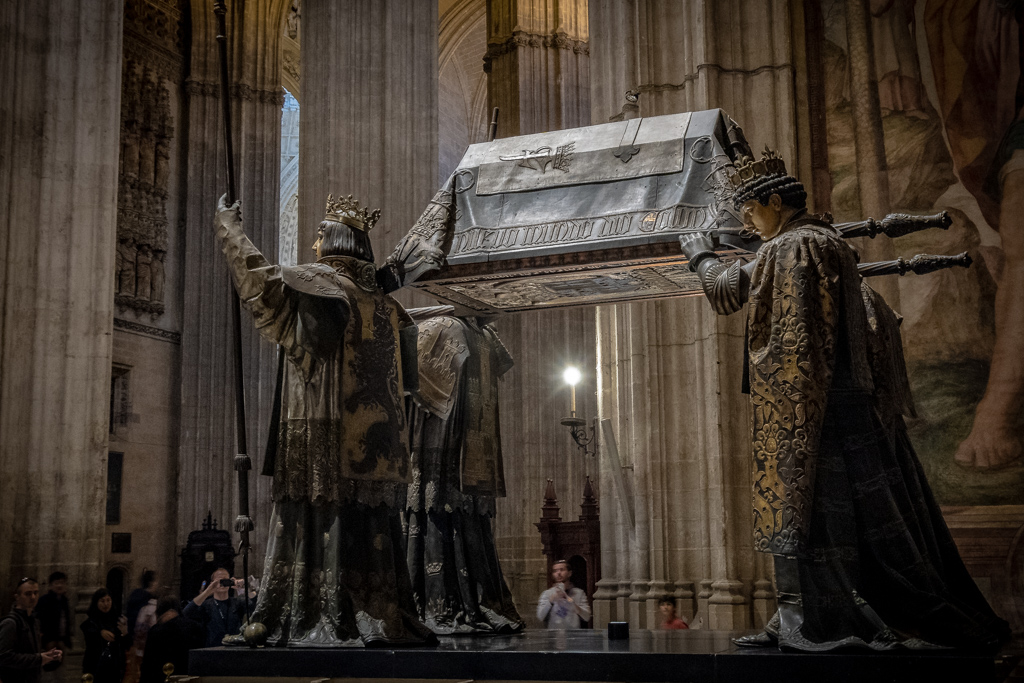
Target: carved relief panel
(152, 65)
(147, 129)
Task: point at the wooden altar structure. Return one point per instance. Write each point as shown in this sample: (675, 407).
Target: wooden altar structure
(579, 542)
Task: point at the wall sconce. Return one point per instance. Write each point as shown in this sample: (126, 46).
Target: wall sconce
(583, 437)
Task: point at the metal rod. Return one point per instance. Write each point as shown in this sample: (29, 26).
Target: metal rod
(222, 47)
(919, 265)
(894, 225)
(492, 130)
(243, 522)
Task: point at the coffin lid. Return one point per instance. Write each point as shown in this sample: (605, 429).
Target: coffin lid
(586, 215)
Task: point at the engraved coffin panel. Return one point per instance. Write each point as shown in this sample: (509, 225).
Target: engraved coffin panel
(579, 155)
(584, 216)
(520, 288)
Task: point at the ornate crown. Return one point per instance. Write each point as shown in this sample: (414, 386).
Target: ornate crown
(747, 169)
(346, 210)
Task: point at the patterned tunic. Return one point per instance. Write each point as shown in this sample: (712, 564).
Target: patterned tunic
(334, 573)
(339, 431)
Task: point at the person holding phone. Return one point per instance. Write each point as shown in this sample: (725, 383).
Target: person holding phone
(221, 616)
(563, 606)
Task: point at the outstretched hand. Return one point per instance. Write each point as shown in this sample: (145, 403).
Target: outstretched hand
(229, 216)
(693, 243)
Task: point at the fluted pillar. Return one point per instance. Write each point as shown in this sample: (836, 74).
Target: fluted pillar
(60, 63)
(369, 115)
(206, 476)
(538, 63)
(869, 140)
(670, 371)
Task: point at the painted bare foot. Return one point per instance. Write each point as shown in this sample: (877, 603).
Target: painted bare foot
(989, 447)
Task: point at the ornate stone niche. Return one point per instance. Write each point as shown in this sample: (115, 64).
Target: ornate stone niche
(588, 215)
(147, 129)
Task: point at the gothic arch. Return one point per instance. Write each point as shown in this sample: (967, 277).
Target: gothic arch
(462, 83)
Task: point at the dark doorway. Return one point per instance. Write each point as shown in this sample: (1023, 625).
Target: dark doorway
(116, 584)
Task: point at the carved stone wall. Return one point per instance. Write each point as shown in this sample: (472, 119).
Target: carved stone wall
(147, 292)
(147, 132)
(290, 77)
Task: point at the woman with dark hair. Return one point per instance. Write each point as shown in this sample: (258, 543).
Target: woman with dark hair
(106, 640)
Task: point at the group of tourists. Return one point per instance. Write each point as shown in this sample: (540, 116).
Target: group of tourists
(133, 647)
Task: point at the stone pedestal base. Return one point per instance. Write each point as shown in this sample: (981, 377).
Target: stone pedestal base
(585, 655)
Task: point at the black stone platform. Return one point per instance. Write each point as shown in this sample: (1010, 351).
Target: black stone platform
(653, 656)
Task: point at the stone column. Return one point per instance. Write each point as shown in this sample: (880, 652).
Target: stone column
(538, 63)
(670, 370)
(206, 476)
(869, 140)
(59, 142)
(369, 115)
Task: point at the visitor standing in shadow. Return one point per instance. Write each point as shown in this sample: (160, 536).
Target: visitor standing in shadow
(169, 641)
(140, 597)
(106, 640)
(54, 615)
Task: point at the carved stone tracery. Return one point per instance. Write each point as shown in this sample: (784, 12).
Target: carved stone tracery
(519, 38)
(153, 34)
(147, 129)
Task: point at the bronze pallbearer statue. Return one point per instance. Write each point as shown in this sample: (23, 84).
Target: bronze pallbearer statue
(457, 474)
(335, 573)
(862, 554)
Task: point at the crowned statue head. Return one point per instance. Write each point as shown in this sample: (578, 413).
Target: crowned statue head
(765, 196)
(345, 230)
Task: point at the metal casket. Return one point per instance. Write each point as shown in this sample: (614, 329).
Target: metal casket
(586, 216)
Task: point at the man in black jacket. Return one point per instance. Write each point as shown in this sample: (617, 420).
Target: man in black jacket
(20, 658)
(219, 613)
(54, 613)
(169, 641)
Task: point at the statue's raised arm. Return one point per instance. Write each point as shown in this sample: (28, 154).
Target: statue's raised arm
(426, 246)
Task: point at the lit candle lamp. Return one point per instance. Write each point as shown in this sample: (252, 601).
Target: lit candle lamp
(572, 377)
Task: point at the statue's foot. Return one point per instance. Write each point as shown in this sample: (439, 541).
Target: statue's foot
(989, 447)
(762, 639)
(769, 637)
(237, 639)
